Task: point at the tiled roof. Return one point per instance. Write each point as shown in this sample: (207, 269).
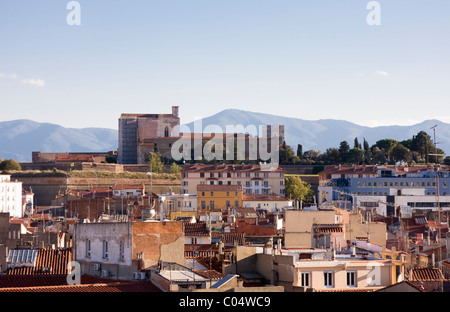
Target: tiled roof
(219, 188)
(210, 274)
(265, 197)
(48, 261)
(128, 286)
(195, 229)
(430, 286)
(229, 238)
(424, 274)
(245, 211)
(224, 168)
(8, 281)
(129, 186)
(328, 228)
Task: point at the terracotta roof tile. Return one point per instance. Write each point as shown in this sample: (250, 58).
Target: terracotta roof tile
(195, 229)
(424, 274)
(48, 261)
(229, 238)
(219, 188)
(210, 274)
(129, 286)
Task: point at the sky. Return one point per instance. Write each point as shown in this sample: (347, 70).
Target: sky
(310, 59)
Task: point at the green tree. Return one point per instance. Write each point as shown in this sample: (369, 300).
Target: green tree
(447, 161)
(331, 156)
(312, 155)
(287, 155)
(401, 153)
(344, 148)
(297, 189)
(367, 152)
(387, 145)
(10, 165)
(175, 169)
(422, 144)
(355, 156)
(378, 156)
(299, 151)
(155, 163)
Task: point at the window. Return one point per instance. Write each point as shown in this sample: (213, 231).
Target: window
(227, 204)
(203, 205)
(328, 278)
(351, 278)
(256, 183)
(122, 250)
(281, 183)
(238, 175)
(88, 248)
(236, 203)
(305, 279)
(211, 204)
(166, 132)
(266, 174)
(247, 174)
(105, 249)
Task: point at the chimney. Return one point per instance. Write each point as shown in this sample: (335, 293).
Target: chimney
(175, 111)
(353, 251)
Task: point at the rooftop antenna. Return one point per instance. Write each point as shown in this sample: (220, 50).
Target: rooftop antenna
(441, 286)
(435, 143)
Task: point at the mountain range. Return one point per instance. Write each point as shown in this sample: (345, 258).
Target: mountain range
(325, 133)
(19, 138)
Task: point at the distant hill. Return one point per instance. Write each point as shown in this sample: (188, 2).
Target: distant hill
(326, 133)
(19, 138)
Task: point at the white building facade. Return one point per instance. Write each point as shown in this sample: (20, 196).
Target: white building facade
(11, 196)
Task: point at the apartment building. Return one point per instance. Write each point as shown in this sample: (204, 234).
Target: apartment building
(270, 202)
(11, 196)
(330, 228)
(345, 272)
(213, 197)
(252, 178)
(387, 188)
(119, 249)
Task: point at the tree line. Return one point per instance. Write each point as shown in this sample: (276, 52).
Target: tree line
(420, 149)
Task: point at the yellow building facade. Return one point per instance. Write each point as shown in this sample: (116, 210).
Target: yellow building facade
(219, 197)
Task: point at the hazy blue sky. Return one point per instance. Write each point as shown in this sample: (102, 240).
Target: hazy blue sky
(311, 59)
